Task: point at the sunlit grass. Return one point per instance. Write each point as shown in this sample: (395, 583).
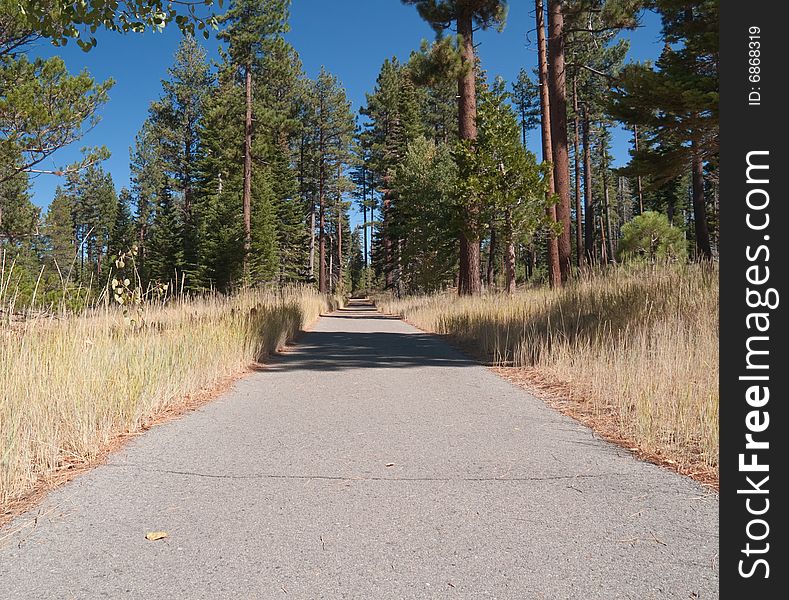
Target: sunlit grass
(70, 384)
(638, 345)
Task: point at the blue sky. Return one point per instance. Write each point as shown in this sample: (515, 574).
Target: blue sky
(350, 37)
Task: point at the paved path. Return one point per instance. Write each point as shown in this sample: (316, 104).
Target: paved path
(282, 489)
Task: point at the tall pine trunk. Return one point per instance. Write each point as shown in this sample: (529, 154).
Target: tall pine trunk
(248, 171)
(312, 241)
(323, 287)
(588, 200)
(509, 255)
(547, 150)
(339, 230)
(389, 267)
(469, 281)
(491, 271)
(639, 184)
(364, 219)
(699, 205)
(606, 208)
(579, 243)
(561, 161)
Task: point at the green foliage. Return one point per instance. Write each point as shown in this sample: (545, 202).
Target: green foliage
(122, 236)
(59, 232)
(42, 109)
(526, 98)
(249, 25)
(18, 216)
(425, 217)
(441, 13)
(500, 171)
(651, 237)
(165, 253)
(175, 122)
(61, 20)
(676, 101)
(93, 203)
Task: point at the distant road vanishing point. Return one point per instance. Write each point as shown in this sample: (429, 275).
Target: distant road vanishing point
(371, 461)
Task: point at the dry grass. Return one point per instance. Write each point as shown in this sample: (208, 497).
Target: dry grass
(69, 385)
(634, 347)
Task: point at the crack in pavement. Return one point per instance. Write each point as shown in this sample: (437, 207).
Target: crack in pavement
(364, 478)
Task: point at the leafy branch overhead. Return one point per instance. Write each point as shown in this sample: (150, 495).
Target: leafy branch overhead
(42, 109)
(61, 20)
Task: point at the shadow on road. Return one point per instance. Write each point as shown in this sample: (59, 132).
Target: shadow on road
(337, 351)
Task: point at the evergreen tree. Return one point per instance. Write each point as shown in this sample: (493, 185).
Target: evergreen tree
(426, 217)
(175, 120)
(122, 236)
(676, 103)
(250, 27)
(148, 182)
(165, 245)
(18, 216)
(333, 128)
(466, 15)
(507, 176)
(93, 204)
(393, 121)
(60, 235)
(526, 97)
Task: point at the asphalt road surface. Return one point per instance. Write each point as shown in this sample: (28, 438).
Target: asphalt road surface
(372, 461)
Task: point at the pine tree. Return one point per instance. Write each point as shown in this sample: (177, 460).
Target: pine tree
(175, 120)
(122, 235)
(18, 216)
(466, 15)
(148, 182)
(526, 97)
(93, 204)
(250, 26)
(426, 216)
(507, 176)
(333, 128)
(165, 245)
(393, 114)
(59, 231)
(676, 103)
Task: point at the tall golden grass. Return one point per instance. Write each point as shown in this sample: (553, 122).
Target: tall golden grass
(69, 384)
(638, 345)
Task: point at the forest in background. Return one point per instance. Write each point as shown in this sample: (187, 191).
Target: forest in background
(245, 169)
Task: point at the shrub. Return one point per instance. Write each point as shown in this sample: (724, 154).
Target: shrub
(651, 237)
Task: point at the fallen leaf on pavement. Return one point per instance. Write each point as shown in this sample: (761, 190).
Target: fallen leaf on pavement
(155, 535)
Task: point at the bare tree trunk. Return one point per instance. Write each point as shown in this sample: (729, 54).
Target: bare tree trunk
(579, 242)
(248, 172)
(491, 258)
(547, 149)
(389, 266)
(339, 230)
(606, 204)
(312, 241)
(364, 216)
(557, 87)
(588, 200)
(639, 186)
(607, 213)
(467, 127)
(603, 251)
(323, 286)
(699, 205)
(509, 255)
(331, 263)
